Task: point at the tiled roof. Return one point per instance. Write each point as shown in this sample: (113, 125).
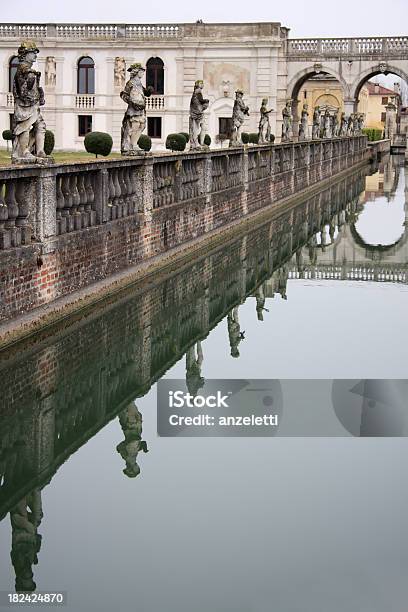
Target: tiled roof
(379, 90)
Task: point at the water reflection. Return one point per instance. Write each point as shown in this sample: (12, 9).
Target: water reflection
(60, 393)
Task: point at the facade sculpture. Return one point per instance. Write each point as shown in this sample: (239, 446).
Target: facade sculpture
(287, 122)
(134, 120)
(198, 105)
(28, 123)
(264, 128)
(50, 71)
(303, 123)
(316, 123)
(119, 72)
(239, 112)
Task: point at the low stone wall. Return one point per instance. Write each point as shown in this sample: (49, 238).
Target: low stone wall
(379, 148)
(64, 227)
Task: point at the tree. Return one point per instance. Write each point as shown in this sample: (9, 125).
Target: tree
(98, 143)
(176, 142)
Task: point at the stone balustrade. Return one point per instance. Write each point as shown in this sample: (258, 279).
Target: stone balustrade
(337, 47)
(85, 221)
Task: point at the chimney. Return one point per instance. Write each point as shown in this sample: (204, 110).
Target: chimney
(376, 88)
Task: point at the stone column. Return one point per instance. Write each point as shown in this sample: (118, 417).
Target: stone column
(245, 176)
(207, 188)
(145, 187)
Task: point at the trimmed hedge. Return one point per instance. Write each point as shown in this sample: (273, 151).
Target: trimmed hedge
(176, 142)
(373, 134)
(272, 137)
(49, 142)
(98, 143)
(186, 135)
(207, 140)
(145, 142)
(245, 137)
(7, 135)
(253, 138)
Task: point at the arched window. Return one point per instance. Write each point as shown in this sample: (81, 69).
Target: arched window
(13, 63)
(86, 76)
(155, 75)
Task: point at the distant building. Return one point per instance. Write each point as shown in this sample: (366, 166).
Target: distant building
(378, 98)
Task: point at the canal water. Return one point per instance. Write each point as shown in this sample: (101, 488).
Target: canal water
(94, 504)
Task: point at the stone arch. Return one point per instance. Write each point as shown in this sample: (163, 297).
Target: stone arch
(302, 76)
(374, 70)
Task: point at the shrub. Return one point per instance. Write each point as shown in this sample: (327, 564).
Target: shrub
(49, 142)
(98, 143)
(272, 137)
(253, 138)
(186, 136)
(207, 140)
(373, 134)
(7, 135)
(245, 137)
(145, 142)
(176, 142)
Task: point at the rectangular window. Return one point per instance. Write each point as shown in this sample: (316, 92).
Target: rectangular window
(384, 100)
(225, 126)
(11, 121)
(154, 127)
(84, 124)
(305, 94)
(382, 117)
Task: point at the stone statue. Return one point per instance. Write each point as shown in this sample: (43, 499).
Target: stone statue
(350, 125)
(327, 126)
(343, 125)
(303, 123)
(355, 124)
(134, 120)
(239, 112)
(28, 123)
(194, 380)
(131, 422)
(119, 72)
(264, 128)
(50, 71)
(360, 121)
(287, 122)
(198, 105)
(316, 123)
(335, 124)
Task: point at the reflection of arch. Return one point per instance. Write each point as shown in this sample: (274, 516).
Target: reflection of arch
(155, 75)
(13, 63)
(376, 248)
(303, 75)
(364, 76)
(86, 76)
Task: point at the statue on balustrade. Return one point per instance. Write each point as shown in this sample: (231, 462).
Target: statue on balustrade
(264, 127)
(287, 133)
(131, 422)
(234, 331)
(119, 72)
(327, 126)
(350, 124)
(28, 123)
(360, 122)
(134, 120)
(198, 105)
(50, 71)
(335, 124)
(355, 124)
(316, 123)
(343, 125)
(239, 112)
(303, 124)
(194, 362)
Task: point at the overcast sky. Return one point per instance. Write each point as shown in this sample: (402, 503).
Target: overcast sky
(317, 18)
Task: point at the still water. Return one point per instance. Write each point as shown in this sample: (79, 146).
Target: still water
(94, 503)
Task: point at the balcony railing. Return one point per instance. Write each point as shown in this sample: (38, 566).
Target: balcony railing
(155, 103)
(90, 31)
(86, 101)
(9, 100)
(348, 46)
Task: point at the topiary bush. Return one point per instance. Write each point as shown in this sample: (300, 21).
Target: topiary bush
(272, 137)
(7, 135)
(176, 142)
(245, 137)
(373, 134)
(49, 142)
(253, 138)
(207, 140)
(186, 136)
(98, 143)
(145, 142)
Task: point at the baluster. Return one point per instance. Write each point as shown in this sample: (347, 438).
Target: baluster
(5, 241)
(72, 181)
(90, 197)
(61, 218)
(112, 196)
(12, 206)
(123, 192)
(82, 199)
(22, 197)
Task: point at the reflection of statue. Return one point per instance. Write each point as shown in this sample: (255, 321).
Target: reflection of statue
(198, 105)
(194, 380)
(343, 125)
(327, 125)
(264, 128)
(134, 120)
(316, 123)
(50, 71)
(29, 126)
(260, 302)
(131, 422)
(119, 72)
(287, 122)
(303, 123)
(25, 541)
(238, 117)
(234, 331)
